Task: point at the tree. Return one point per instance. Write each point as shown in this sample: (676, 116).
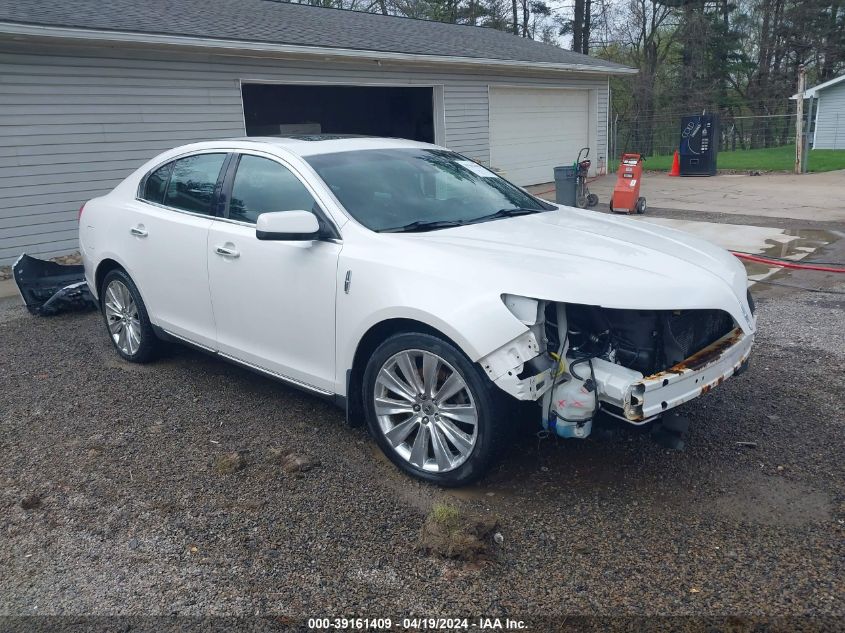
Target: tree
(580, 26)
(646, 39)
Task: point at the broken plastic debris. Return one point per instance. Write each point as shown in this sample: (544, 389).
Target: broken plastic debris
(48, 288)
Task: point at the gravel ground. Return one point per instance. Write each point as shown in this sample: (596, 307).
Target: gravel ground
(125, 513)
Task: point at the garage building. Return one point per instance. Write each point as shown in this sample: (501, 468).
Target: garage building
(90, 90)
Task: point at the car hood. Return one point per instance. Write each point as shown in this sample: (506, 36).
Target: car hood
(577, 256)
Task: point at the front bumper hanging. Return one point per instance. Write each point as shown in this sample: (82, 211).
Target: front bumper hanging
(48, 288)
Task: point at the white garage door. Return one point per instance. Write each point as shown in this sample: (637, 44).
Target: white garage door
(532, 130)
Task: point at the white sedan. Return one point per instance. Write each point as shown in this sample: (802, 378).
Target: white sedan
(415, 288)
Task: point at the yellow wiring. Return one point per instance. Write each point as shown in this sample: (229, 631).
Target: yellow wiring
(561, 364)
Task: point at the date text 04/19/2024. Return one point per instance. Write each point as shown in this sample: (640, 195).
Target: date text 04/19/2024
(421, 624)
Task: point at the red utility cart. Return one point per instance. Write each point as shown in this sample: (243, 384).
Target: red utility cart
(626, 194)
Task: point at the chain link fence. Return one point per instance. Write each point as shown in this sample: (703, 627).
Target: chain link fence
(660, 135)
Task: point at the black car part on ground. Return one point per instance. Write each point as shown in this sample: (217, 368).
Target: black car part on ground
(49, 288)
(648, 341)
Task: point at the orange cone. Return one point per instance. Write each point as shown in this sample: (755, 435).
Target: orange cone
(676, 165)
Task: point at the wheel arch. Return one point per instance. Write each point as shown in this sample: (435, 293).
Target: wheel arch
(372, 338)
(104, 268)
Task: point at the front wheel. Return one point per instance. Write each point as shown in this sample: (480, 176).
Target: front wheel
(431, 410)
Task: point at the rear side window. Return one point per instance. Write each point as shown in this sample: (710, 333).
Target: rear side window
(192, 183)
(156, 184)
(262, 186)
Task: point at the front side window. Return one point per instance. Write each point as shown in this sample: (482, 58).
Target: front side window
(261, 186)
(192, 183)
(419, 189)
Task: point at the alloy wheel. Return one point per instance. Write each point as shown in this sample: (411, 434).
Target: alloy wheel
(426, 410)
(122, 317)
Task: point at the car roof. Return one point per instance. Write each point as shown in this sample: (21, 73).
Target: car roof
(312, 144)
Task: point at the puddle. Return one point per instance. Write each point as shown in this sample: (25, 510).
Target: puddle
(792, 244)
(799, 243)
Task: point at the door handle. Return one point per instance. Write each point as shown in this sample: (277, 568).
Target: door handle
(225, 251)
(138, 231)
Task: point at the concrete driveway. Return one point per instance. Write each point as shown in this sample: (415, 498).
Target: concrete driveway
(813, 197)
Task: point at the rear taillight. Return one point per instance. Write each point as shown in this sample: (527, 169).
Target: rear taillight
(81, 209)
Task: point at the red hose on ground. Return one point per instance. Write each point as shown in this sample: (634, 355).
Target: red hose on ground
(781, 264)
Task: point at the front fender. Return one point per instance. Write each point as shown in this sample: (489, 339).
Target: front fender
(475, 318)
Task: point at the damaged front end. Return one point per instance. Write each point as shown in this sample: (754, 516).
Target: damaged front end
(48, 288)
(633, 364)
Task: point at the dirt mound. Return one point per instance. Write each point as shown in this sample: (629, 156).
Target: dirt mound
(449, 533)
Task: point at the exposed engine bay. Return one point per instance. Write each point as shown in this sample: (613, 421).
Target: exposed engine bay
(648, 341)
(632, 364)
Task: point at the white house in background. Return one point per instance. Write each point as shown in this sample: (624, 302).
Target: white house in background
(829, 113)
(89, 90)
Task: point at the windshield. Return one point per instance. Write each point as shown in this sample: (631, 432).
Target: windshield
(419, 189)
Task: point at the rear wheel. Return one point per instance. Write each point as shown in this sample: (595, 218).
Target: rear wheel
(592, 200)
(126, 318)
(641, 205)
(431, 410)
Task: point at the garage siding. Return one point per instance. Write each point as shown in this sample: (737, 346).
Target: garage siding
(75, 121)
(830, 120)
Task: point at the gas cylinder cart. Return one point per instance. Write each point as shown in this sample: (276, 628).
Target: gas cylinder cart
(583, 197)
(626, 194)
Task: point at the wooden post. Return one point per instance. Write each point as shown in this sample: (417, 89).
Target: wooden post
(799, 121)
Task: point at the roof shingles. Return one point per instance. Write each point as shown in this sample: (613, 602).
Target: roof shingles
(273, 22)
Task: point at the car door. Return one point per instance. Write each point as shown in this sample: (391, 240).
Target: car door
(274, 301)
(165, 243)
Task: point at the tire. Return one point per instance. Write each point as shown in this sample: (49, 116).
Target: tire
(432, 439)
(610, 205)
(592, 200)
(132, 334)
(641, 206)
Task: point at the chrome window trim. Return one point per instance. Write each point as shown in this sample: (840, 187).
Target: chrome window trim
(215, 218)
(175, 210)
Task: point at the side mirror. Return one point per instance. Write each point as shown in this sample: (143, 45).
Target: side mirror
(287, 226)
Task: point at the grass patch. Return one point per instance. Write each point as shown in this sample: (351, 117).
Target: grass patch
(771, 159)
(450, 533)
(445, 516)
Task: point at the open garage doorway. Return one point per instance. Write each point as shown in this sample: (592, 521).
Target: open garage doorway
(394, 111)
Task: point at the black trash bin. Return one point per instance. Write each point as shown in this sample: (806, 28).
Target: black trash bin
(566, 180)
